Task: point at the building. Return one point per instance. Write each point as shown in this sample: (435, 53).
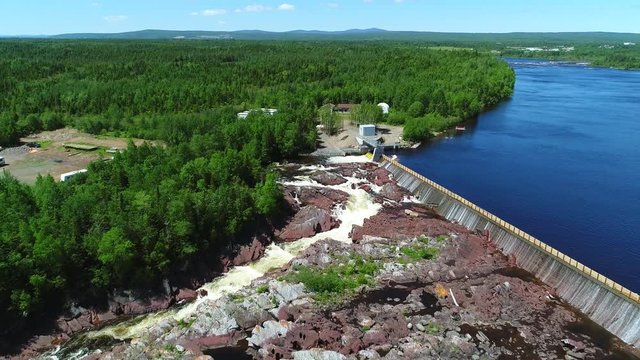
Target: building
(384, 107)
(69, 175)
(267, 111)
(345, 108)
(367, 130)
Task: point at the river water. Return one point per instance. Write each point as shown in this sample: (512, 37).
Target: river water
(560, 160)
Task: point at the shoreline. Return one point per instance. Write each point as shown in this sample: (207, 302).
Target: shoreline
(399, 221)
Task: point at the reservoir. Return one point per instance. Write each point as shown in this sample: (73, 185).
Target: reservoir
(560, 160)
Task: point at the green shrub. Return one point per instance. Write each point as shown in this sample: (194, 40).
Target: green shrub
(419, 252)
(334, 280)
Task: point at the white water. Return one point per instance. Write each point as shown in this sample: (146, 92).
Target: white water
(358, 208)
(348, 159)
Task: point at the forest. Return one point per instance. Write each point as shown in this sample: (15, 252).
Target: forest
(153, 212)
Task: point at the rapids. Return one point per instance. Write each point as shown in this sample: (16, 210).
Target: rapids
(358, 208)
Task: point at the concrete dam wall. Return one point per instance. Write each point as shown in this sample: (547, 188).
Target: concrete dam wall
(606, 302)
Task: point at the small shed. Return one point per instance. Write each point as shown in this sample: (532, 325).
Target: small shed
(367, 130)
(384, 107)
(344, 107)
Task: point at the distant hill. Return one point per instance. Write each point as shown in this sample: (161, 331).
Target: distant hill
(368, 34)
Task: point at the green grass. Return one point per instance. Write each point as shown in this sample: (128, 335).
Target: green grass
(442, 238)
(262, 289)
(432, 329)
(417, 253)
(184, 324)
(45, 143)
(335, 281)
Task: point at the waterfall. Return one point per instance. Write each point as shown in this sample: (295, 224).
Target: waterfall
(607, 303)
(358, 208)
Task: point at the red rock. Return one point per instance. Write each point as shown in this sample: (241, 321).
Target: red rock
(309, 221)
(301, 337)
(374, 337)
(394, 223)
(379, 176)
(323, 198)
(249, 253)
(215, 341)
(393, 192)
(327, 178)
(365, 187)
(186, 295)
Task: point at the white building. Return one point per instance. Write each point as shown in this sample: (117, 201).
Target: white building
(69, 175)
(384, 107)
(367, 130)
(244, 114)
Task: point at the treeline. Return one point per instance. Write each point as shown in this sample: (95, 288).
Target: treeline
(123, 86)
(152, 211)
(616, 56)
(147, 215)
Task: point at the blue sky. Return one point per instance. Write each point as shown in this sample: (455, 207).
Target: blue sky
(31, 17)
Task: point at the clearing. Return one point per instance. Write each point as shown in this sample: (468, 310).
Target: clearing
(44, 153)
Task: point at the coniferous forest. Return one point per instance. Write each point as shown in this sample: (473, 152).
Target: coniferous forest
(157, 211)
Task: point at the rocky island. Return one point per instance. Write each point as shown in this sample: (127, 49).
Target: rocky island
(360, 271)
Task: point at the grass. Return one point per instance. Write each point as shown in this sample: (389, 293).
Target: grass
(236, 297)
(432, 329)
(335, 281)
(417, 253)
(45, 143)
(184, 324)
(262, 289)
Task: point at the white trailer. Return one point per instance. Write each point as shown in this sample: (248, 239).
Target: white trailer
(69, 175)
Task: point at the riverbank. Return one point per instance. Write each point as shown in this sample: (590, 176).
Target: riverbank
(384, 278)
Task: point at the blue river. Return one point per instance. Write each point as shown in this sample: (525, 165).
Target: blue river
(560, 160)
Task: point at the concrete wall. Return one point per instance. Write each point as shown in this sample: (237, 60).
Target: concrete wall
(606, 302)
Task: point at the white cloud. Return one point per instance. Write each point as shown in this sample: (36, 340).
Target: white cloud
(333, 5)
(255, 8)
(213, 12)
(209, 12)
(115, 18)
(286, 7)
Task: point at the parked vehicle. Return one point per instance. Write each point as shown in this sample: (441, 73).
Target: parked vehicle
(2, 162)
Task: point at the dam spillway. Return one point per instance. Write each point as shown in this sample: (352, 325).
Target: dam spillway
(604, 301)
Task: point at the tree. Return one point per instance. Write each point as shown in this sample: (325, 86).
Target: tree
(329, 119)
(416, 109)
(366, 113)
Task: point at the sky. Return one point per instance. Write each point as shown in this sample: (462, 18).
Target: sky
(49, 17)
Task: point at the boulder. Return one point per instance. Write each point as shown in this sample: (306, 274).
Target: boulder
(309, 221)
(317, 354)
(393, 192)
(269, 330)
(186, 295)
(327, 178)
(379, 176)
(251, 252)
(288, 292)
(324, 198)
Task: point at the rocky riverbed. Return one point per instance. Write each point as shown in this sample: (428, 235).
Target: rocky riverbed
(360, 271)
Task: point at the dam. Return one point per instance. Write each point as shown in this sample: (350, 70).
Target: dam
(606, 302)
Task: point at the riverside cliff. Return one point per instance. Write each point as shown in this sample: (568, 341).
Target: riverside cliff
(362, 271)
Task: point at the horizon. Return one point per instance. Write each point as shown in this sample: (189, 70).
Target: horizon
(49, 18)
(320, 31)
